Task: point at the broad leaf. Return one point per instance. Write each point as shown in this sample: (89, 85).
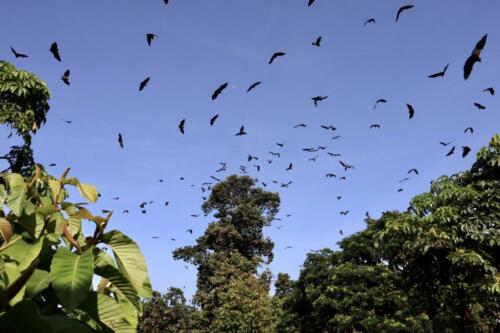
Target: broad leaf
(130, 261)
(21, 251)
(89, 192)
(118, 280)
(32, 223)
(17, 191)
(71, 276)
(107, 311)
(55, 188)
(38, 281)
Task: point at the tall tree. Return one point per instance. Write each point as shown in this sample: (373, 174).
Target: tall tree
(234, 244)
(23, 108)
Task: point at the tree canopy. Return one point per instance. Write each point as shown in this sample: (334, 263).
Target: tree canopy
(231, 249)
(23, 109)
(431, 268)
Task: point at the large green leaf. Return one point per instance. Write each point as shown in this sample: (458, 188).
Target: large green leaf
(17, 191)
(38, 281)
(118, 280)
(13, 273)
(130, 261)
(32, 223)
(22, 318)
(107, 311)
(21, 251)
(62, 324)
(71, 276)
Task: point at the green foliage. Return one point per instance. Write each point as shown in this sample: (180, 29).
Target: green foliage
(169, 313)
(245, 307)
(433, 268)
(47, 264)
(448, 244)
(23, 108)
(233, 246)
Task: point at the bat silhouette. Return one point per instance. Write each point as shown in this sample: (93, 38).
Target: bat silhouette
(402, 9)
(144, 83)
(219, 90)
(213, 119)
(474, 57)
(181, 125)
(276, 55)
(439, 74)
(17, 54)
(253, 86)
(55, 51)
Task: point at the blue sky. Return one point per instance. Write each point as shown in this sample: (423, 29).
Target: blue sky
(202, 44)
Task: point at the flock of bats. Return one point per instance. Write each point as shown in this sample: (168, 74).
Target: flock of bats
(469, 64)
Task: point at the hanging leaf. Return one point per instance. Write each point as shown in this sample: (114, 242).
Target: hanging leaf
(89, 192)
(17, 190)
(55, 188)
(130, 261)
(118, 280)
(71, 276)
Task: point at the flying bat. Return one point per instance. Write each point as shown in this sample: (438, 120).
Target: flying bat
(491, 90)
(474, 57)
(276, 55)
(144, 83)
(17, 54)
(219, 90)
(241, 131)
(411, 111)
(370, 20)
(213, 119)
(465, 151)
(65, 77)
(451, 152)
(402, 9)
(317, 42)
(150, 37)
(55, 51)
(120, 140)
(181, 125)
(439, 74)
(317, 99)
(479, 106)
(253, 86)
